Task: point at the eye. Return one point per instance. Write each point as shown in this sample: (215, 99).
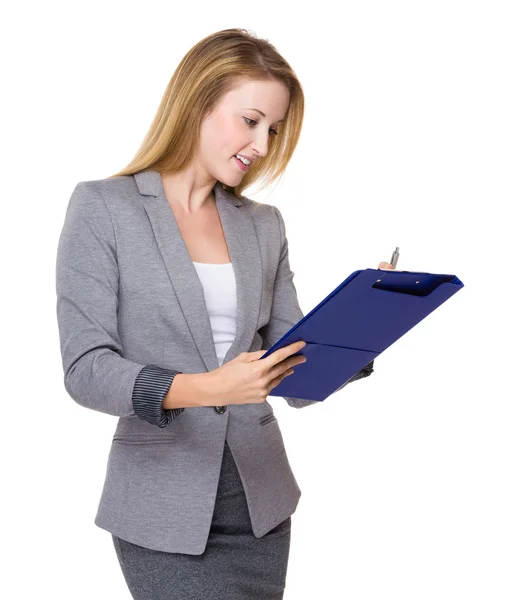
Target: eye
(255, 122)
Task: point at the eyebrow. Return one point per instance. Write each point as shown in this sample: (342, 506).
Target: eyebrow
(262, 113)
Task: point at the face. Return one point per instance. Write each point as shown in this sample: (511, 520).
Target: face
(235, 127)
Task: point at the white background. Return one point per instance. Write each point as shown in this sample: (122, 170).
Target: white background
(410, 138)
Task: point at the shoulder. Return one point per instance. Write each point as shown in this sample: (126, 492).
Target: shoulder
(266, 212)
(268, 222)
(121, 185)
(111, 194)
(261, 210)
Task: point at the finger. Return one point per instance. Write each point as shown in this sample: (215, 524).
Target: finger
(283, 353)
(286, 365)
(255, 355)
(277, 380)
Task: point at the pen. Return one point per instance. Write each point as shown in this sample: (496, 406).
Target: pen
(394, 258)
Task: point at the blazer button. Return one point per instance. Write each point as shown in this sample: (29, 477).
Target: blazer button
(220, 409)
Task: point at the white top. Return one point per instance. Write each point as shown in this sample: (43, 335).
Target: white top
(219, 286)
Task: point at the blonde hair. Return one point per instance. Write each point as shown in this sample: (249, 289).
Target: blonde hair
(213, 67)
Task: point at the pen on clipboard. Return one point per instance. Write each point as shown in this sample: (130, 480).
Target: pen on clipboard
(394, 257)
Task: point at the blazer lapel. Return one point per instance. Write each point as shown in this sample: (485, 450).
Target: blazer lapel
(243, 245)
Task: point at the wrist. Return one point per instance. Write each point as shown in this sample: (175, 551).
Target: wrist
(205, 388)
(185, 391)
(200, 389)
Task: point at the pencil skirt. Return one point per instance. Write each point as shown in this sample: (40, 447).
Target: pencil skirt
(234, 566)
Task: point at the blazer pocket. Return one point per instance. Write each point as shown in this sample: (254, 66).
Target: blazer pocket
(268, 419)
(142, 439)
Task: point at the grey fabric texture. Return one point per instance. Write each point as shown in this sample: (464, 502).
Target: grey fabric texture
(235, 565)
(129, 297)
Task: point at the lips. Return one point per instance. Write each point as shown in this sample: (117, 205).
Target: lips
(245, 156)
(242, 166)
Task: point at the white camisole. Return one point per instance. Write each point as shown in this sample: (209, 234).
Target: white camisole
(219, 285)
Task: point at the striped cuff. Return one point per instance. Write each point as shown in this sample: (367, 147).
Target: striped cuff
(151, 387)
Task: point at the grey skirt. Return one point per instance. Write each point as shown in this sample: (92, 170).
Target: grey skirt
(234, 566)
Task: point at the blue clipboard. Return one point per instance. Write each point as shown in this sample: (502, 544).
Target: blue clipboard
(355, 323)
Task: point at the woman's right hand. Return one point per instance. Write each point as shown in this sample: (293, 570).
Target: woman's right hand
(248, 380)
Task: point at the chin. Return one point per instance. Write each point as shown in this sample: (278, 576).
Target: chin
(230, 181)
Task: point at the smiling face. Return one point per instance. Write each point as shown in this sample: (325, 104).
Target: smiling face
(234, 127)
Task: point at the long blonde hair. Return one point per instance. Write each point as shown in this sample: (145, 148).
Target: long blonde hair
(213, 67)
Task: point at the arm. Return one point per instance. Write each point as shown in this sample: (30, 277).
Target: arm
(96, 375)
(286, 312)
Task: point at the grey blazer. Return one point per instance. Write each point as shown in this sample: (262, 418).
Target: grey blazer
(128, 296)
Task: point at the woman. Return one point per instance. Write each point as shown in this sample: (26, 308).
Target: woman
(170, 287)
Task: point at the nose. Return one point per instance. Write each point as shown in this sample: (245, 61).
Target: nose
(261, 146)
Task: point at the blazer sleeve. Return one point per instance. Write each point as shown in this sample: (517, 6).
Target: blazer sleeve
(96, 375)
(286, 312)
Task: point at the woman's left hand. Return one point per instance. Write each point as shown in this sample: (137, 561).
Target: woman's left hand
(385, 265)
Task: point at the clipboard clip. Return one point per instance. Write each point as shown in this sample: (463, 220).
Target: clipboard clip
(413, 284)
